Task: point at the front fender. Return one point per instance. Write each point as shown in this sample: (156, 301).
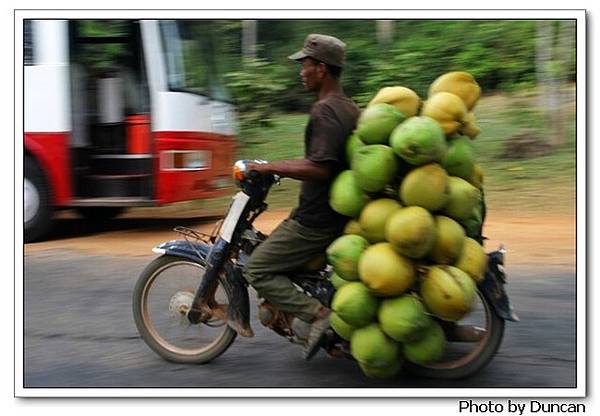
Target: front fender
(195, 251)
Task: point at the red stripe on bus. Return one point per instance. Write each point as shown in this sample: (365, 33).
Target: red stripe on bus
(51, 152)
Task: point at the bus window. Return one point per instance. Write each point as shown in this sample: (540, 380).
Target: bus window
(191, 58)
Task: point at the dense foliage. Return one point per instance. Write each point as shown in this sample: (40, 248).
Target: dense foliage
(499, 53)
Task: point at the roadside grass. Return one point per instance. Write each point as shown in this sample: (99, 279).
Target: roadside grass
(544, 184)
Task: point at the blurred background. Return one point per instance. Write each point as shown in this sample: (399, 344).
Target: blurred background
(526, 70)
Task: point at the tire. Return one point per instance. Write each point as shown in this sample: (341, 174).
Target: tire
(477, 359)
(100, 214)
(37, 210)
(217, 342)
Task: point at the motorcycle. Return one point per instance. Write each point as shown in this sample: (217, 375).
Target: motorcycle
(191, 302)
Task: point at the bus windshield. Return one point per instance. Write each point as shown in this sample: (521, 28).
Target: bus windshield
(191, 58)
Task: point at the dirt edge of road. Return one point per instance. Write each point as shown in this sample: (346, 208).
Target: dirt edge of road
(532, 240)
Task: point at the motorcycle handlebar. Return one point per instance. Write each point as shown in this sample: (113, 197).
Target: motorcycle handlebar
(241, 171)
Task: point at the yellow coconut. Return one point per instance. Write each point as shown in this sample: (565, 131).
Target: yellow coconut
(374, 216)
(476, 178)
(469, 127)
(404, 99)
(384, 271)
(353, 227)
(425, 186)
(448, 292)
(447, 109)
(459, 83)
(449, 242)
(472, 259)
(411, 231)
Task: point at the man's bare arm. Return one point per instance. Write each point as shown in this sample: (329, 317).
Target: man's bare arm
(300, 169)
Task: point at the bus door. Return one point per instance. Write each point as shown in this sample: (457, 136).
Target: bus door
(111, 140)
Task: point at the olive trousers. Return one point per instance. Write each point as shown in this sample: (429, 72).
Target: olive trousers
(287, 250)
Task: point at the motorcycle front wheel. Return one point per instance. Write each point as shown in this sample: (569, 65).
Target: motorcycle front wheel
(162, 297)
(472, 343)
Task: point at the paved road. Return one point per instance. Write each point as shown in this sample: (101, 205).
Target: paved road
(79, 332)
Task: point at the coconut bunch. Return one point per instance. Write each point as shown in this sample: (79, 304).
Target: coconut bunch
(409, 257)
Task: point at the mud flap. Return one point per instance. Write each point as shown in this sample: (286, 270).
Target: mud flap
(238, 312)
(492, 287)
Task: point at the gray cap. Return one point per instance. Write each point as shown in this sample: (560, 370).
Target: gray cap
(322, 48)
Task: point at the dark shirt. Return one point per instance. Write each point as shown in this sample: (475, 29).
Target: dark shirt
(331, 122)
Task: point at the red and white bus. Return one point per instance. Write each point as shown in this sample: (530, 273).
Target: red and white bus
(121, 113)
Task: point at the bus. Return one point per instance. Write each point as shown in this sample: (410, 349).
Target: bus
(121, 113)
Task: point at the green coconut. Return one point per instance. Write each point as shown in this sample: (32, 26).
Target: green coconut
(337, 281)
(449, 241)
(472, 260)
(448, 292)
(343, 255)
(411, 231)
(419, 140)
(473, 224)
(384, 271)
(388, 371)
(463, 198)
(404, 318)
(425, 186)
(355, 304)
(374, 167)
(460, 159)
(370, 346)
(345, 196)
(341, 327)
(374, 216)
(428, 349)
(377, 121)
(352, 145)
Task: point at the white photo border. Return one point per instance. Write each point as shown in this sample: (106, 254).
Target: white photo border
(581, 224)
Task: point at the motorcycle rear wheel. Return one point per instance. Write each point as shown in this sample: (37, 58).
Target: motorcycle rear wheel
(473, 361)
(161, 298)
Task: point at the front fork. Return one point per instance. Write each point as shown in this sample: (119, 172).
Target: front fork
(200, 310)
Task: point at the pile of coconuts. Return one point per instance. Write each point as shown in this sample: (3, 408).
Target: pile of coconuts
(410, 257)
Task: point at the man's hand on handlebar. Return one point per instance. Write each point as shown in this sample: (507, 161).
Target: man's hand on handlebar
(260, 168)
(300, 169)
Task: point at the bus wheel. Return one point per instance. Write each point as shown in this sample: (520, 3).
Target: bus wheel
(100, 214)
(37, 212)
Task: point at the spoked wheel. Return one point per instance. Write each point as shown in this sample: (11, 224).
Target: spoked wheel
(472, 343)
(161, 299)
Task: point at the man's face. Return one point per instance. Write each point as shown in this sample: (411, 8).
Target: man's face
(312, 74)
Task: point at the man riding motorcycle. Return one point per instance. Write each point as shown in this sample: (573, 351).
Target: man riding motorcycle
(312, 225)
